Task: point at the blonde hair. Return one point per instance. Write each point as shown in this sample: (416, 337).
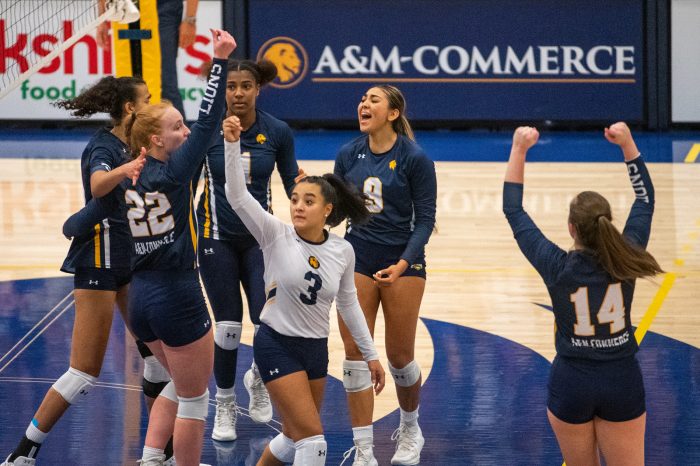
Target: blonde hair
(144, 124)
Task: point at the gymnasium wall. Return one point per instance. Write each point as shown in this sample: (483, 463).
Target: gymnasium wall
(460, 63)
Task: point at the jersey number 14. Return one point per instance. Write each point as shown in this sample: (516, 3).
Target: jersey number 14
(612, 311)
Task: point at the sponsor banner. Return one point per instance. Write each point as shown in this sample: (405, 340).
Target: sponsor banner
(85, 63)
(566, 60)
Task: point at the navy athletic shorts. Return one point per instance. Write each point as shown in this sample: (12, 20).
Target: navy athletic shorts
(277, 355)
(225, 265)
(168, 306)
(93, 278)
(370, 258)
(581, 389)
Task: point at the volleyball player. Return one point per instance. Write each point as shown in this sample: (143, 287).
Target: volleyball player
(228, 254)
(166, 305)
(306, 267)
(398, 177)
(596, 400)
(100, 259)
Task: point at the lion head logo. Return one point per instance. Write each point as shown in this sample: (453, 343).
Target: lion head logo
(313, 262)
(289, 57)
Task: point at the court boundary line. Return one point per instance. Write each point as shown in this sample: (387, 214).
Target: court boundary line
(63, 311)
(36, 325)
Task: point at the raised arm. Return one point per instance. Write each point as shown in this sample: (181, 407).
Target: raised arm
(263, 226)
(638, 225)
(186, 160)
(545, 256)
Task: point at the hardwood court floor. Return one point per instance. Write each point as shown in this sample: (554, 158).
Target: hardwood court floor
(484, 343)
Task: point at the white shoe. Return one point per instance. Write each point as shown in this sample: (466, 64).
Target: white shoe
(225, 421)
(259, 406)
(409, 443)
(364, 455)
(19, 461)
(170, 461)
(155, 461)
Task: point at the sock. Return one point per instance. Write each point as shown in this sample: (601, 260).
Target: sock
(151, 453)
(26, 448)
(364, 433)
(34, 434)
(254, 368)
(409, 419)
(225, 394)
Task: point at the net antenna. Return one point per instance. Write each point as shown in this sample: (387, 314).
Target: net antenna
(24, 21)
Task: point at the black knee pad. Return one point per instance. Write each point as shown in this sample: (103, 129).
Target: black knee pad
(152, 389)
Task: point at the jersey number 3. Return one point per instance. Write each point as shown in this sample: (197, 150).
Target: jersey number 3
(316, 284)
(612, 311)
(148, 215)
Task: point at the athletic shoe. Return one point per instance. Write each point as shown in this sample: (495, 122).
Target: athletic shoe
(364, 454)
(19, 461)
(409, 443)
(225, 421)
(259, 406)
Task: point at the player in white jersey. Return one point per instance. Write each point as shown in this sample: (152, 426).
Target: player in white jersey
(306, 268)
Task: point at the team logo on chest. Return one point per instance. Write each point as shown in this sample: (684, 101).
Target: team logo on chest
(261, 138)
(392, 165)
(313, 262)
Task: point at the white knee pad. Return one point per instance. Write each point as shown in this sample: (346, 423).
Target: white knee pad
(356, 376)
(282, 448)
(153, 370)
(406, 376)
(193, 408)
(310, 451)
(73, 384)
(228, 334)
(169, 392)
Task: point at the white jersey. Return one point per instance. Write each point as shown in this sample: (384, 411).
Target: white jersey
(301, 278)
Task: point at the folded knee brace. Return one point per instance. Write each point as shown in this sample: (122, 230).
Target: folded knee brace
(73, 384)
(407, 376)
(194, 408)
(356, 376)
(155, 377)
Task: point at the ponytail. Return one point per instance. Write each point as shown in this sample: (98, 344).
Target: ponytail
(590, 214)
(143, 124)
(398, 102)
(347, 201)
(108, 95)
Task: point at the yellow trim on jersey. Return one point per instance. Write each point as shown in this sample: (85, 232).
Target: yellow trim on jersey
(98, 255)
(193, 229)
(207, 209)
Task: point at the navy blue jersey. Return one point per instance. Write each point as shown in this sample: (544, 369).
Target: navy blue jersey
(267, 142)
(107, 243)
(591, 309)
(402, 189)
(160, 208)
